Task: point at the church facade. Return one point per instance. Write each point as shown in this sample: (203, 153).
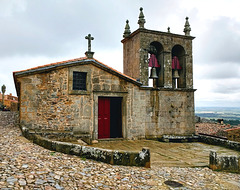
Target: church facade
(87, 99)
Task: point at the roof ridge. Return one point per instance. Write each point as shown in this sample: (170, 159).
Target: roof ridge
(51, 64)
(73, 60)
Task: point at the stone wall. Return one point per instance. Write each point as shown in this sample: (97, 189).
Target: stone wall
(114, 157)
(9, 118)
(224, 163)
(220, 142)
(47, 104)
(153, 113)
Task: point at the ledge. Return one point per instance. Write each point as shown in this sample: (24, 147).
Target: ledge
(167, 89)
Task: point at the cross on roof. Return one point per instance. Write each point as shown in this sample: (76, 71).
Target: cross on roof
(89, 38)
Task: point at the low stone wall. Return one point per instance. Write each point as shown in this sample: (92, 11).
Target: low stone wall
(113, 157)
(224, 163)
(219, 142)
(9, 117)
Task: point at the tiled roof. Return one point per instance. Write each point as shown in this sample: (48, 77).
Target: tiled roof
(56, 64)
(232, 129)
(66, 63)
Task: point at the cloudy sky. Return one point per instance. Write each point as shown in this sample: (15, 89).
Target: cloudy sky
(38, 32)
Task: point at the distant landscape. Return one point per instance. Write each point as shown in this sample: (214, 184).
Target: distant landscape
(230, 115)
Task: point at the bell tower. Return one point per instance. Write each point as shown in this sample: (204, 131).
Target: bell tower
(172, 51)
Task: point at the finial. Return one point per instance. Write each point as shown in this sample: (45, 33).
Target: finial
(168, 29)
(127, 30)
(187, 28)
(88, 53)
(141, 20)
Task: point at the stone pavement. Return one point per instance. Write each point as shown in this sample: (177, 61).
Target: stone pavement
(170, 154)
(24, 165)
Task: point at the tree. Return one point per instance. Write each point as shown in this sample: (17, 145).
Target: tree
(3, 92)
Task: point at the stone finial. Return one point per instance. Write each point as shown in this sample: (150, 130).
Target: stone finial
(168, 29)
(89, 53)
(127, 30)
(187, 28)
(141, 20)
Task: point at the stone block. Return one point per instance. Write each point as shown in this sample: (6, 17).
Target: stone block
(95, 80)
(121, 158)
(76, 150)
(96, 87)
(106, 87)
(224, 163)
(63, 147)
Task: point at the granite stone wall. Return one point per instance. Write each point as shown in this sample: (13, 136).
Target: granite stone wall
(114, 157)
(48, 105)
(135, 56)
(224, 163)
(219, 142)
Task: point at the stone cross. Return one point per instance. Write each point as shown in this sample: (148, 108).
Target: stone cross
(89, 38)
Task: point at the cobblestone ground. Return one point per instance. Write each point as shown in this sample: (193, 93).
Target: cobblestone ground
(24, 165)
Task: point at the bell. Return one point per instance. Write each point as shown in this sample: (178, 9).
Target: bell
(153, 74)
(175, 74)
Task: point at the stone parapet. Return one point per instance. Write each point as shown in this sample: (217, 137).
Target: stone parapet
(219, 142)
(224, 163)
(114, 157)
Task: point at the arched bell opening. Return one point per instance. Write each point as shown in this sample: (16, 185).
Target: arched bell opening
(178, 67)
(156, 48)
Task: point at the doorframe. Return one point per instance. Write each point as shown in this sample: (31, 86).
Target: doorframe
(96, 95)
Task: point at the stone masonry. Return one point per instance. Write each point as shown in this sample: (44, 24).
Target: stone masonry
(49, 103)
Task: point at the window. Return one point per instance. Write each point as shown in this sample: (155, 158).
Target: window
(79, 80)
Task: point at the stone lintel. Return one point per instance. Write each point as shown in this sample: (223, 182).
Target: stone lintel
(112, 92)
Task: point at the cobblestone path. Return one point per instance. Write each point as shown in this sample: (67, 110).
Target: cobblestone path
(24, 165)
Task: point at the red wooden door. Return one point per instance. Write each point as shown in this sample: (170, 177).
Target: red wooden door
(103, 118)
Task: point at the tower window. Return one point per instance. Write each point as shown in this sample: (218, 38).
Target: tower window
(79, 80)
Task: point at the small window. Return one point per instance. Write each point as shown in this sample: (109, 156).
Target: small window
(79, 80)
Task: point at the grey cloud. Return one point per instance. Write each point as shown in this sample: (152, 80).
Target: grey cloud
(225, 70)
(53, 27)
(220, 42)
(226, 87)
(48, 27)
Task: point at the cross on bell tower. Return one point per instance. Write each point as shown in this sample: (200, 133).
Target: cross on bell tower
(89, 53)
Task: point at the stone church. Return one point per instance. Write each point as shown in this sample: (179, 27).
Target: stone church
(84, 98)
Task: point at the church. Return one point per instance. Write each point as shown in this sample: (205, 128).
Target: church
(84, 98)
